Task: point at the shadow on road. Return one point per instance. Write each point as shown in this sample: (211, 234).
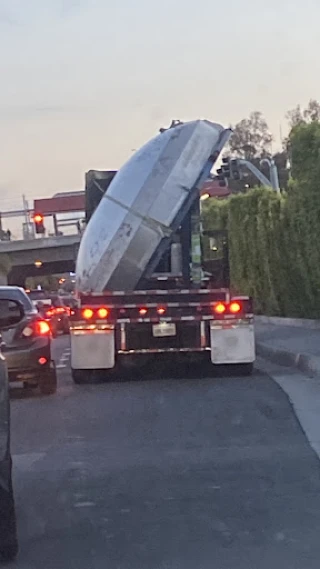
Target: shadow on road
(166, 368)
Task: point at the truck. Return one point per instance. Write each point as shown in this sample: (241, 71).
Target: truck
(150, 281)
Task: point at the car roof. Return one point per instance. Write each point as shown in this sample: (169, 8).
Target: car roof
(17, 293)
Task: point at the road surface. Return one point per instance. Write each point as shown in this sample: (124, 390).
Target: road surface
(164, 473)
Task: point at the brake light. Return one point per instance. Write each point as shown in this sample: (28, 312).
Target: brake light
(59, 310)
(161, 310)
(219, 308)
(50, 313)
(37, 328)
(235, 307)
(42, 328)
(143, 311)
(87, 313)
(103, 312)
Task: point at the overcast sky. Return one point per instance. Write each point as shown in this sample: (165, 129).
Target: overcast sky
(83, 82)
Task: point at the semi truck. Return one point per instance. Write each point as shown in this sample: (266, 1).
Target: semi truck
(149, 279)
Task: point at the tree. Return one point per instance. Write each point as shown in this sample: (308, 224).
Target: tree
(251, 138)
(304, 143)
(308, 115)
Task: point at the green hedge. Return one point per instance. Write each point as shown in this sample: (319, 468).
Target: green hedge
(274, 246)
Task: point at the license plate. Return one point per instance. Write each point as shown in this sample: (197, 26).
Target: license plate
(164, 329)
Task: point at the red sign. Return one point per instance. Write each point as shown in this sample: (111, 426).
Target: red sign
(61, 204)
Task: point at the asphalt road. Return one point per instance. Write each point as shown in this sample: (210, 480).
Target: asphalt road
(188, 473)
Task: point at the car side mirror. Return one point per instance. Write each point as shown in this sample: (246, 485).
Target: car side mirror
(11, 313)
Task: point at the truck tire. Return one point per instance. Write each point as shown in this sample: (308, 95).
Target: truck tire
(81, 376)
(91, 376)
(245, 369)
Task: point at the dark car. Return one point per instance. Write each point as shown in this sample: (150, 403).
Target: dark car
(27, 346)
(71, 302)
(53, 309)
(11, 314)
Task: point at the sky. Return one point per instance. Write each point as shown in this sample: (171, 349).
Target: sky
(85, 82)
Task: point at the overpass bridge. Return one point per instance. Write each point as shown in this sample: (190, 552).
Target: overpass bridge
(27, 258)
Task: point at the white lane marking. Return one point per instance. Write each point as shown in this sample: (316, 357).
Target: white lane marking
(84, 504)
(63, 361)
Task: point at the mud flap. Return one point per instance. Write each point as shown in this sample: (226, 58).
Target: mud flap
(232, 343)
(92, 348)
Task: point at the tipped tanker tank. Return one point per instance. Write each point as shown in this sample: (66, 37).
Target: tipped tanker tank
(149, 280)
(144, 204)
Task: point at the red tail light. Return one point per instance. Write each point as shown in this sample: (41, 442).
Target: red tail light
(161, 310)
(37, 328)
(219, 308)
(59, 310)
(143, 311)
(103, 313)
(50, 313)
(235, 307)
(42, 328)
(87, 313)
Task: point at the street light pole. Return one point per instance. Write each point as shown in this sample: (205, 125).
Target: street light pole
(274, 178)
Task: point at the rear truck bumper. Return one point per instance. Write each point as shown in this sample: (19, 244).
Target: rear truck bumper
(228, 342)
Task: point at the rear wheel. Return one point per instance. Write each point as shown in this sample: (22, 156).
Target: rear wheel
(54, 332)
(87, 376)
(48, 383)
(81, 376)
(66, 329)
(245, 369)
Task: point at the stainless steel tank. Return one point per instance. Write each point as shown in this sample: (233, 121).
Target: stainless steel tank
(144, 203)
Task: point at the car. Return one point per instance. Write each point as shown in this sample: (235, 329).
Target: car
(27, 346)
(11, 314)
(52, 308)
(71, 302)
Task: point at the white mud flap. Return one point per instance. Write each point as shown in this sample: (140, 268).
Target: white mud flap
(92, 349)
(232, 343)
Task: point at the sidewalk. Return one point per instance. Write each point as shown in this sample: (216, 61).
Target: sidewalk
(292, 343)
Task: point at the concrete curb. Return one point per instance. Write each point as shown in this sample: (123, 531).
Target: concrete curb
(303, 362)
(295, 322)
